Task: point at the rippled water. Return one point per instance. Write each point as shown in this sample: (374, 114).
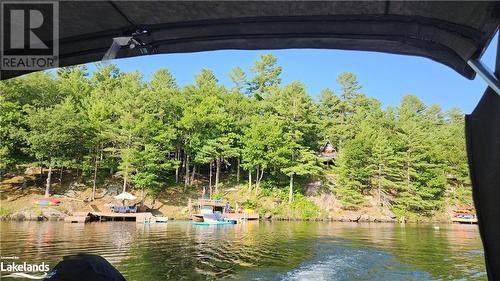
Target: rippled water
(258, 251)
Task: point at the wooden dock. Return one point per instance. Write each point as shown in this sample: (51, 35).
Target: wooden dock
(143, 217)
(241, 216)
(465, 220)
(110, 216)
(78, 217)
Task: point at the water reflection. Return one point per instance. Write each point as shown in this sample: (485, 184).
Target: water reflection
(259, 251)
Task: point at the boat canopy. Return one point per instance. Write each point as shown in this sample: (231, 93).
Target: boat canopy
(451, 33)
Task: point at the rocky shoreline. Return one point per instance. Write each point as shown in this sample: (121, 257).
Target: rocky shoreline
(50, 214)
(46, 214)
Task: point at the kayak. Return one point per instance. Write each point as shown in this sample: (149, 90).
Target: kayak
(47, 202)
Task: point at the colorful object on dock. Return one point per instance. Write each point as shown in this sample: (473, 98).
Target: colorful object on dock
(47, 201)
(465, 215)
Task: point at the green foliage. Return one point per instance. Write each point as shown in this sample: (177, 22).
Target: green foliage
(411, 158)
(305, 207)
(55, 133)
(11, 134)
(249, 204)
(301, 208)
(5, 212)
(267, 77)
(263, 143)
(218, 195)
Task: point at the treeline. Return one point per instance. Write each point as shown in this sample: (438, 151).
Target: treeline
(410, 158)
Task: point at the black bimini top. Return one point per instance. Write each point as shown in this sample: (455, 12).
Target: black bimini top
(448, 32)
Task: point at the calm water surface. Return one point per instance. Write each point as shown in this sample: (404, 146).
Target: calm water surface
(258, 251)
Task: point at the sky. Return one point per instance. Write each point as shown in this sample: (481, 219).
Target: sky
(386, 77)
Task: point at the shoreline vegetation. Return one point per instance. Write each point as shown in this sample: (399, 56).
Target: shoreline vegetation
(82, 136)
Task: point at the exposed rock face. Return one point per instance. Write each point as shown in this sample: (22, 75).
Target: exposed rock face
(113, 189)
(364, 218)
(325, 201)
(53, 214)
(17, 217)
(37, 215)
(390, 214)
(76, 186)
(268, 216)
(354, 217)
(71, 193)
(312, 188)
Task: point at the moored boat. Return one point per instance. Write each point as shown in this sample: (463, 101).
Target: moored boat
(465, 215)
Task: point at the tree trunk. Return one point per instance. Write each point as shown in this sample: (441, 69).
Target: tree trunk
(142, 196)
(217, 174)
(250, 179)
(61, 175)
(260, 174)
(186, 177)
(49, 178)
(193, 173)
(238, 171)
(95, 178)
(177, 157)
(154, 202)
(290, 192)
(177, 175)
(210, 177)
(257, 178)
(125, 177)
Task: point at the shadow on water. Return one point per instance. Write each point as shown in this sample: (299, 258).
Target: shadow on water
(259, 251)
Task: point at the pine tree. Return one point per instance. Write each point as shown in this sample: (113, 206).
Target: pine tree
(266, 77)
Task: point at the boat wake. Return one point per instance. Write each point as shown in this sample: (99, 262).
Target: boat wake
(354, 264)
(333, 260)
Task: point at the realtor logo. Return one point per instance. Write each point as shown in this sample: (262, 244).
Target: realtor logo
(29, 35)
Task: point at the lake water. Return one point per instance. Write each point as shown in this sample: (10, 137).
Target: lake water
(258, 251)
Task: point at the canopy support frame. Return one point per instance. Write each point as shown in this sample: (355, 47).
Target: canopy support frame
(482, 70)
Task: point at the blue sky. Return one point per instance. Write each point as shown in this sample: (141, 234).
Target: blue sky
(386, 77)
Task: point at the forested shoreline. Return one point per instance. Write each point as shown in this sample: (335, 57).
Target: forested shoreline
(152, 134)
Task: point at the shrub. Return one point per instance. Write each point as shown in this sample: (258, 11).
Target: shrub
(304, 208)
(218, 195)
(351, 199)
(4, 212)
